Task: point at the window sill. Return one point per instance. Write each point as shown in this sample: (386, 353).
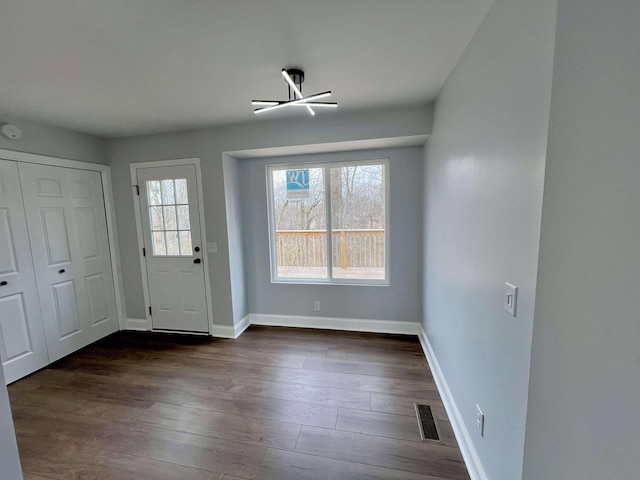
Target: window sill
(298, 281)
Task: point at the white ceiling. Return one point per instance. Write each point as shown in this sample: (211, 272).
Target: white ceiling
(126, 67)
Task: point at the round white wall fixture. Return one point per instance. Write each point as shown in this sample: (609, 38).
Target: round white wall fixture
(11, 131)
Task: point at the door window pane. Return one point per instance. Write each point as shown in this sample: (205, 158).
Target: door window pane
(170, 222)
(159, 247)
(169, 217)
(182, 197)
(157, 222)
(173, 247)
(185, 243)
(183, 217)
(168, 197)
(153, 193)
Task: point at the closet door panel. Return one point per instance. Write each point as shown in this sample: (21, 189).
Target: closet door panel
(67, 226)
(22, 342)
(90, 224)
(65, 301)
(54, 233)
(14, 327)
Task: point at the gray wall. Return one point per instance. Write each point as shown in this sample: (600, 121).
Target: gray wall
(584, 401)
(401, 301)
(234, 190)
(9, 459)
(483, 193)
(54, 141)
(209, 145)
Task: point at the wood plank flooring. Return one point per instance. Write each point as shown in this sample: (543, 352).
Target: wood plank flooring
(275, 404)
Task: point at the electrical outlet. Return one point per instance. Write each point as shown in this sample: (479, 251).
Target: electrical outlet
(510, 299)
(480, 420)
(316, 306)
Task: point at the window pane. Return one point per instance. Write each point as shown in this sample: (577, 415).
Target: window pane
(183, 218)
(300, 224)
(153, 192)
(358, 221)
(185, 243)
(168, 197)
(159, 247)
(170, 222)
(155, 213)
(181, 191)
(173, 247)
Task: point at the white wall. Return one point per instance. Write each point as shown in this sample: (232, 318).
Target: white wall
(401, 301)
(584, 401)
(54, 141)
(9, 459)
(483, 195)
(209, 145)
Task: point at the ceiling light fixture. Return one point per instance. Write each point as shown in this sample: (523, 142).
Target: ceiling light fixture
(297, 91)
(294, 78)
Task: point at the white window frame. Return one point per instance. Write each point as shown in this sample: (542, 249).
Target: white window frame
(330, 280)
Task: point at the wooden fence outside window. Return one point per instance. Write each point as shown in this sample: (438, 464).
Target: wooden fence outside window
(352, 248)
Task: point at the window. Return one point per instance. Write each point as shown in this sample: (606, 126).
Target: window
(169, 217)
(335, 211)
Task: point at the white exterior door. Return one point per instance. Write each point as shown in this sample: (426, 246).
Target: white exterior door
(22, 343)
(67, 226)
(170, 216)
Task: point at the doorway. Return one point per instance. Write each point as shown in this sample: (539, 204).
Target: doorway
(171, 238)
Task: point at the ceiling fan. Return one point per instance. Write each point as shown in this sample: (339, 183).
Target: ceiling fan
(294, 77)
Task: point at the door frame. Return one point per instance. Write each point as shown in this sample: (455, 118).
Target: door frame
(107, 191)
(203, 234)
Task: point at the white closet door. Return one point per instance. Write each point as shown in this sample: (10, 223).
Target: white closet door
(67, 227)
(22, 343)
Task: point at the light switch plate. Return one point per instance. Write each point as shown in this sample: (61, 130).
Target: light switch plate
(480, 420)
(510, 299)
(212, 247)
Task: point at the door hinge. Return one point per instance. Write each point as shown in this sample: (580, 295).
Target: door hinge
(137, 189)
(149, 309)
(144, 252)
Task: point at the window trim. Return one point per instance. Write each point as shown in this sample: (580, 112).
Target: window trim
(330, 280)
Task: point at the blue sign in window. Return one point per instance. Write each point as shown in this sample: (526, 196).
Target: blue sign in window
(297, 184)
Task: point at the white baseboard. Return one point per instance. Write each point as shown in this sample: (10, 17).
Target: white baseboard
(224, 331)
(136, 324)
(331, 323)
(242, 325)
(469, 453)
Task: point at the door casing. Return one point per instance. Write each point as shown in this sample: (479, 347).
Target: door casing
(138, 214)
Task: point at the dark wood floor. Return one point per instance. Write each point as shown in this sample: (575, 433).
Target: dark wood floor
(276, 404)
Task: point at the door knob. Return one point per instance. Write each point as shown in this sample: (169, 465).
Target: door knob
(197, 260)
(3, 283)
